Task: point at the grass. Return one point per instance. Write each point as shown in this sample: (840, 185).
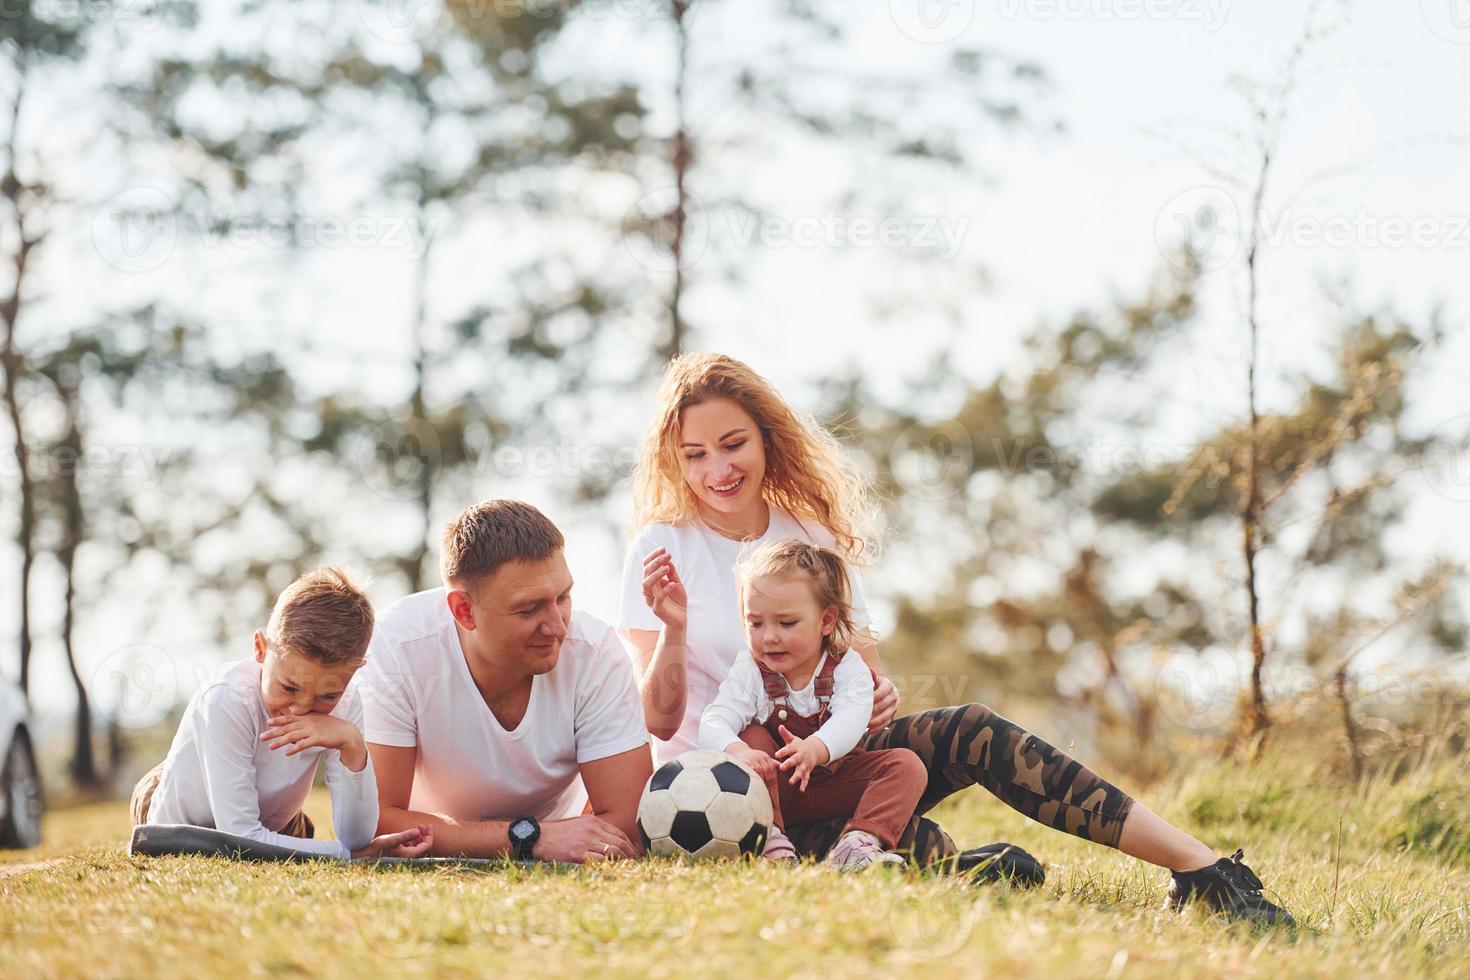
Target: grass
(1378, 873)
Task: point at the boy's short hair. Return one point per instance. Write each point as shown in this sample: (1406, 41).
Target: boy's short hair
(325, 616)
(489, 534)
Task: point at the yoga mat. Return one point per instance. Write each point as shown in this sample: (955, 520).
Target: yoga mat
(161, 840)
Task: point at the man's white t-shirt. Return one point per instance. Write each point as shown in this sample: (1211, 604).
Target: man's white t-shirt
(706, 563)
(220, 774)
(417, 691)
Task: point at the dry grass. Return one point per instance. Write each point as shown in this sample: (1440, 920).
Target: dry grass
(1378, 874)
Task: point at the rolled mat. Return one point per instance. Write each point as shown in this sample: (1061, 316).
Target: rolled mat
(161, 840)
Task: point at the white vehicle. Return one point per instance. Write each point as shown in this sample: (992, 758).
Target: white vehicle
(21, 802)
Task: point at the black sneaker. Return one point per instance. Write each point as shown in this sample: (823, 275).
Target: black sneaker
(1227, 886)
(1000, 862)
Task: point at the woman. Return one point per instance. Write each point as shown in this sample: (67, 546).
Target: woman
(727, 462)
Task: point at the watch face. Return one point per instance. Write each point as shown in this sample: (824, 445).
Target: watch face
(522, 828)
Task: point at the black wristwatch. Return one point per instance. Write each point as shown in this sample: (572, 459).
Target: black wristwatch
(524, 833)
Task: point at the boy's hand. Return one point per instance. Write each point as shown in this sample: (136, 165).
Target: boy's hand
(411, 843)
(664, 591)
(801, 756)
(316, 730)
(763, 765)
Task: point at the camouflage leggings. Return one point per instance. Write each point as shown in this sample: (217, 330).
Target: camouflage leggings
(969, 744)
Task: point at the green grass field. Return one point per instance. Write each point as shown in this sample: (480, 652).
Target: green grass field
(1378, 874)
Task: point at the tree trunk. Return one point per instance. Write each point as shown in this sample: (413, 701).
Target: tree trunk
(419, 408)
(1257, 719)
(1350, 727)
(84, 760)
(26, 529)
(683, 157)
(13, 364)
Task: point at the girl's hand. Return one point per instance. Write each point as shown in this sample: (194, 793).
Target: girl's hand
(800, 756)
(885, 704)
(663, 590)
(411, 843)
(763, 765)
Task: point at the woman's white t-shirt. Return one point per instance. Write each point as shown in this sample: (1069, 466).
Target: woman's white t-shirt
(417, 691)
(706, 563)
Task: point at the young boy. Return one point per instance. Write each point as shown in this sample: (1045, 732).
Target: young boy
(250, 743)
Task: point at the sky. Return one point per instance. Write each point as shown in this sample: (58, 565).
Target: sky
(1378, 141)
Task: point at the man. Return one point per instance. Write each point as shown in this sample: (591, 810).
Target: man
(498, 717)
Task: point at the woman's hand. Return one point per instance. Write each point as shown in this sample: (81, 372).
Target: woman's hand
(411, 843)
(663, 590)
(885, 704)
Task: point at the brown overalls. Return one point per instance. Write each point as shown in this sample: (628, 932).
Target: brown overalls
(876, 790)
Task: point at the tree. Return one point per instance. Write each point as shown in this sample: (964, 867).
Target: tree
(98, 523)
(35, 44)
(453, 124)
(1073, 582)
(733, 113)
(1077, 547)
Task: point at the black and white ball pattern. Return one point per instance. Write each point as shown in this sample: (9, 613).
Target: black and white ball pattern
(704, 804)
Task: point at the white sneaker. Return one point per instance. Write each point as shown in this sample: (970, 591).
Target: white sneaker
(778, 847)
(858, 849)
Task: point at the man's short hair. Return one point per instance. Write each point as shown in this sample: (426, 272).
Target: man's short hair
(494, 532)
(325, 616)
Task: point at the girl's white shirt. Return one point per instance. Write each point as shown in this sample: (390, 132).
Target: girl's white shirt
(705, 560)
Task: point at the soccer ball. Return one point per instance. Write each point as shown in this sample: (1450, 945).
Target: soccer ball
(704, 804)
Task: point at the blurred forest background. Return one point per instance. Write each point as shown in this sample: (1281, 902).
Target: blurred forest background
(1137, 529)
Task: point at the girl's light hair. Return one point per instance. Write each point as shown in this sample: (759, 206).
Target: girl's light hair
(823, 568)
(807, 472)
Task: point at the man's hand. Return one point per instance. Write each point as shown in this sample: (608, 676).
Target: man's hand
(663, 590)
(763, 765)
(800, 756)
(316, 730)
(411, 843)
(885, 704)
(582, 839)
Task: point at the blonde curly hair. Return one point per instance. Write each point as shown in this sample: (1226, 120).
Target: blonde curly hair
(807, 473)
(823, 569)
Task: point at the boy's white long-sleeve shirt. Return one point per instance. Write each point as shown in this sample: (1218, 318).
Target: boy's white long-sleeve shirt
(742, 699)
(220, 774)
